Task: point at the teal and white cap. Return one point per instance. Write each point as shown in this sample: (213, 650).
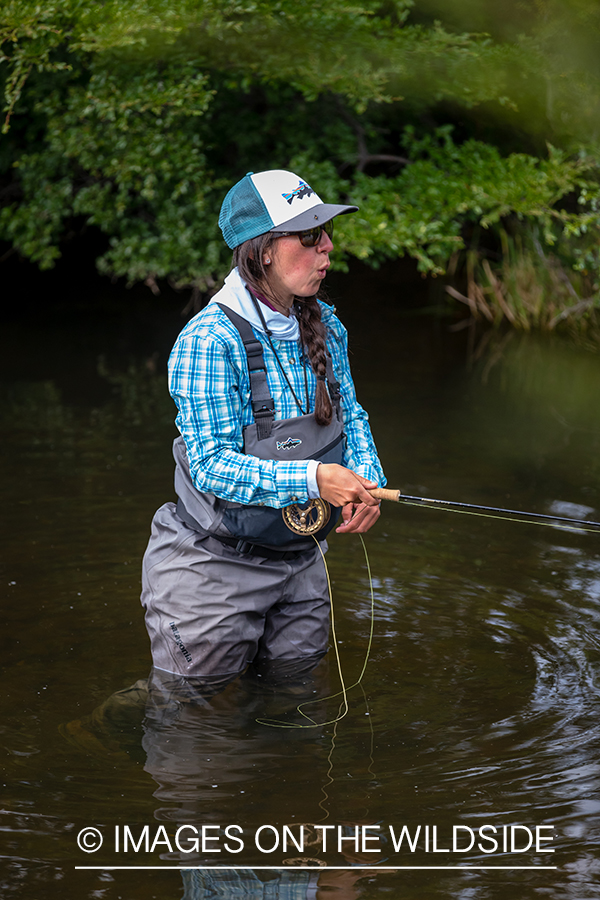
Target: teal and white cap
(273, 201)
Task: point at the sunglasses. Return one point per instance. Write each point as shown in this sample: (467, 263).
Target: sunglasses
(312, 236)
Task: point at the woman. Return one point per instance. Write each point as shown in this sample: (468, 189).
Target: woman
(269, 421)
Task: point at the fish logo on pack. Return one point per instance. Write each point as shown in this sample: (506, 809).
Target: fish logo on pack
(289, 444)
(303, 190)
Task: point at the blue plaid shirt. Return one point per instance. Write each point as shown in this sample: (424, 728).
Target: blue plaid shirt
(208, 379)
(243, 884)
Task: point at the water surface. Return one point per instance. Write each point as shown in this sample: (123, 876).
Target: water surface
(479, 704)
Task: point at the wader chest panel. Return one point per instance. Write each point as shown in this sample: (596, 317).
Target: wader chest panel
(298, 438)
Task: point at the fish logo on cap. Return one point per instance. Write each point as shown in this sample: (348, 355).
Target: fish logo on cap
(303, 190)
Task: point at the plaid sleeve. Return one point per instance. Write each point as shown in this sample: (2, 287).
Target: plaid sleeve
(360, 453)
(208, 381)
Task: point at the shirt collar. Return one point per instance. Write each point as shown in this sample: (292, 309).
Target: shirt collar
(235, 295)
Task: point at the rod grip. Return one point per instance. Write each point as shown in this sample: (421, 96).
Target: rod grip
(384, 494)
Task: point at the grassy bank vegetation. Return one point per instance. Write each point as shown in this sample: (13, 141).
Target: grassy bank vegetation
(530, 287)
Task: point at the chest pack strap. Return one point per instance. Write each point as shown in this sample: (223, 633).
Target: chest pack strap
(263, 406)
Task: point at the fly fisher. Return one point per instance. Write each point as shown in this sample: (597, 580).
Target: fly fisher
(269, 422)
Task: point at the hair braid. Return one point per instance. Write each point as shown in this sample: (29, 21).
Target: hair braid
(312, 332)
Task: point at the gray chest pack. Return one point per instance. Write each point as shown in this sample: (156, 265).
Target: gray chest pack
(262, 528)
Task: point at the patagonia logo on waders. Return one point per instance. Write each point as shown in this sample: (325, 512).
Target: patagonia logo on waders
(179, 642)
(289, 444)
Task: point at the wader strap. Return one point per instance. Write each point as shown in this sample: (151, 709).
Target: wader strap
(263, 406)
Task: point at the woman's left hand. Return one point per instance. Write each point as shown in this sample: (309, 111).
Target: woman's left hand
(357, 518)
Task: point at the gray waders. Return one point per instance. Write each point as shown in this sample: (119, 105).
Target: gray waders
(225, 584)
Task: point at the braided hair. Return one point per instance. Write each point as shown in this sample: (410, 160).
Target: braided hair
(312, 332)
(248, 257)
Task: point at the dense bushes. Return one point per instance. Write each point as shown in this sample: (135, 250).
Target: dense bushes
(136, 116)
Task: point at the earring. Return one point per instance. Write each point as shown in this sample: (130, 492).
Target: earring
(267, 261)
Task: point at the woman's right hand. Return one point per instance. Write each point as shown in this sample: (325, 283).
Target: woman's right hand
(340, 486)
(343, 487)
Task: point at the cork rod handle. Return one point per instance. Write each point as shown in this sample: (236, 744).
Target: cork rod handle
(384, 494)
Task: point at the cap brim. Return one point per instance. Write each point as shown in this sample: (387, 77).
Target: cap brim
(318, 215)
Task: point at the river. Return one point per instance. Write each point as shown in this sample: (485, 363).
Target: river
(468, 764)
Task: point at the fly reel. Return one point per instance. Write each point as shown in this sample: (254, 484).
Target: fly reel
(307, 518)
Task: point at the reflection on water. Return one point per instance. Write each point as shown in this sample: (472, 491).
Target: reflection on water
(480, 704)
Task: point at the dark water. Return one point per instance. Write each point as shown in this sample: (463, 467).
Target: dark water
(479, 705)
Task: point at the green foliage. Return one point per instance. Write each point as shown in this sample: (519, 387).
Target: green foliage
(423, 211)
(31, 37)
(553, 85)
(136, 116)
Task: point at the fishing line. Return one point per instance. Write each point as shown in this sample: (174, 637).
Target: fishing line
(324, 787)
(567, 523)
(470, 512)
(343, 708)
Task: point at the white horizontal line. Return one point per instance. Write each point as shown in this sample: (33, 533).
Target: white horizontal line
(464, 868)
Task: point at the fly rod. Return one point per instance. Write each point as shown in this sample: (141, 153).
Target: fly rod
(494, 512)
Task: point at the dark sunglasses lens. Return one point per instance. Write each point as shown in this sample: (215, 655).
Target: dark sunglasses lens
(312, 236)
